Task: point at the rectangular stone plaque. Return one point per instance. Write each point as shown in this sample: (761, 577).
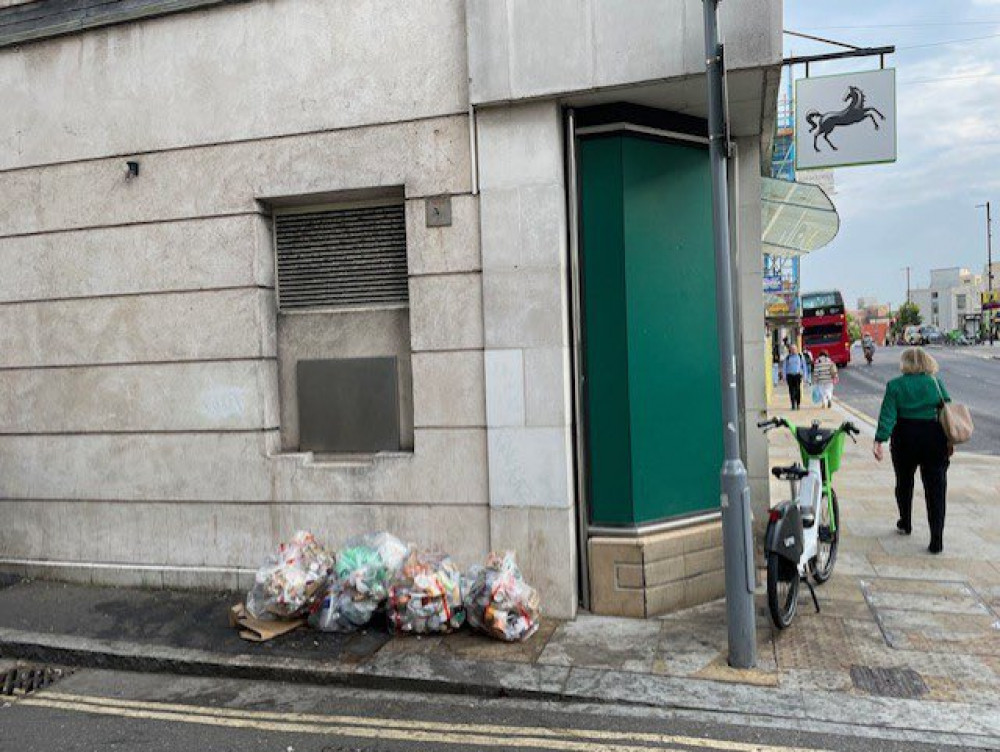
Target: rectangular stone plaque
(348, 405)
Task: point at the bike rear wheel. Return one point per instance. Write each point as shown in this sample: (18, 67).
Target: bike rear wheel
(782, 589)
(821, 565)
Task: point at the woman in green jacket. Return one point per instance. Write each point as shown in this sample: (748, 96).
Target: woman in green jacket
(909, 416)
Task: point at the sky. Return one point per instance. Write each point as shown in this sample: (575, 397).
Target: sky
(920, 211)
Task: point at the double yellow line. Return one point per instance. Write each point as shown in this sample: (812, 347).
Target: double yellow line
(393, 729)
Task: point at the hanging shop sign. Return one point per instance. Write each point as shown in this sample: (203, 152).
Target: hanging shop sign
(779, 305)
(991, 300)
(847, 119)
(772, 283)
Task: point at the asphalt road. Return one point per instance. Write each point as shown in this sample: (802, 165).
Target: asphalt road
(971, 376)
(105, 710)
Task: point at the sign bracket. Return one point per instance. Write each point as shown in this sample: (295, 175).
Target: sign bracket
(849, 51)
(860, 52)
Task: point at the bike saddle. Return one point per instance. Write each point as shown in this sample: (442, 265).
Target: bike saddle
(792, 472)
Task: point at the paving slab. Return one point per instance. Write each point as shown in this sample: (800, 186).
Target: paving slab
(933, 603)
(604, 643)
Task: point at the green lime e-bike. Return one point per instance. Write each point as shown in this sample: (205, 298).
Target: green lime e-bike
(803, 532)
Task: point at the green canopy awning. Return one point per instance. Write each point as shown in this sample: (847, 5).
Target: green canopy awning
(796, 217)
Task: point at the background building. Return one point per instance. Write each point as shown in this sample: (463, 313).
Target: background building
(952, 300)
(349, 266)
(875, 319)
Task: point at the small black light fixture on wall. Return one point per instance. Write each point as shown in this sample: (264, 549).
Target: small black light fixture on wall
(131, 170)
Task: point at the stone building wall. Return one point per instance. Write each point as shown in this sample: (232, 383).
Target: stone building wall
(139, 396)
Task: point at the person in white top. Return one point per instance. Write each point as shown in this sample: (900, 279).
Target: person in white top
(825, 377)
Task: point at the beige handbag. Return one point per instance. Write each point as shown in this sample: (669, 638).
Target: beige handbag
(955, 419)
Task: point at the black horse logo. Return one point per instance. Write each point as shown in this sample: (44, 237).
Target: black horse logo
(824, 123)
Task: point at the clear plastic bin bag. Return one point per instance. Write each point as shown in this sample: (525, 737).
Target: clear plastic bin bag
(291, 580)
(426, 597)
(369, 563)
(365, 567)
(499, 602)
(341, 610)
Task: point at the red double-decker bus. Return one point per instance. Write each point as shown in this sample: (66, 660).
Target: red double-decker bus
(824, 326)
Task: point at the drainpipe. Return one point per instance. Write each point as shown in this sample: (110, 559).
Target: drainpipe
(735, 496)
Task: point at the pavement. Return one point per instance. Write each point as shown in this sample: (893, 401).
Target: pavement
(906, 643)
(985, 350)
(971, 374)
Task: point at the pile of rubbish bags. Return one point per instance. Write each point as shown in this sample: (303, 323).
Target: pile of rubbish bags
(421, 592)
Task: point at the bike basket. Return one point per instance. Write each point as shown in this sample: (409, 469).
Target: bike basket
(834, 451)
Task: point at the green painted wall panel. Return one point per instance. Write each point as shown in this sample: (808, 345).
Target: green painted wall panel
(604, 317)
(674, 394)
(650, 343)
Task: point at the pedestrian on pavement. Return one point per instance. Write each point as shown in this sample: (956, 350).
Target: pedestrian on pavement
(794, 370)
(909, 416)
(825, 376)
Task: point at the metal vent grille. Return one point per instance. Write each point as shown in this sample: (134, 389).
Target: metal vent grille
(23, 680)
(341, 257)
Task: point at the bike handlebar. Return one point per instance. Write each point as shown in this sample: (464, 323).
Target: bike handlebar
(849, 428)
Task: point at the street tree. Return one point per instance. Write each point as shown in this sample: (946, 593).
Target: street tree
(853, 328)
(907, 315)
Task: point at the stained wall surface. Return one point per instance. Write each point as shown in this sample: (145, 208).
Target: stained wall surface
(139, 388)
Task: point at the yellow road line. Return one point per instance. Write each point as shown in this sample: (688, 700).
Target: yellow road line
(497, 739)
(385, 727)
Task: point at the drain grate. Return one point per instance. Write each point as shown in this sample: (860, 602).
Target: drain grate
(904, 683)
(26, 679)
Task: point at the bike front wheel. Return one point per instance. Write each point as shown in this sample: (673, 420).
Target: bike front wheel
(782, 589)
(821, 565)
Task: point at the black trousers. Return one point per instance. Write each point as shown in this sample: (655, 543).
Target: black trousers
(795, 389)
(921, 443)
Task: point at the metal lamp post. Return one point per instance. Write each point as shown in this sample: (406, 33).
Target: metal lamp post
(735, 496)
(989, 268)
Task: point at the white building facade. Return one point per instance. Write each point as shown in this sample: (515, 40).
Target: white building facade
(952, 300)
(316, 264)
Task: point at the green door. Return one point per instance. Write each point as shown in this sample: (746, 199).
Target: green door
(651, 363)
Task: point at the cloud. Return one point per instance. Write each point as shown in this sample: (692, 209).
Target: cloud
(920, 211)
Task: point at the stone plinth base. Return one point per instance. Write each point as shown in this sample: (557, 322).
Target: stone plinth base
(652, 574)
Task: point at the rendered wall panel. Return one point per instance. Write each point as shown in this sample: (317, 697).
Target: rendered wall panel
(216, 325)
(116, 532)
(199, 396)
(429, 157)
(197, 254)
(267, 68)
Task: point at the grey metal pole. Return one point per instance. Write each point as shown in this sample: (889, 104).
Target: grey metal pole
(987, 313)
(735, 497)
(989, 265)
